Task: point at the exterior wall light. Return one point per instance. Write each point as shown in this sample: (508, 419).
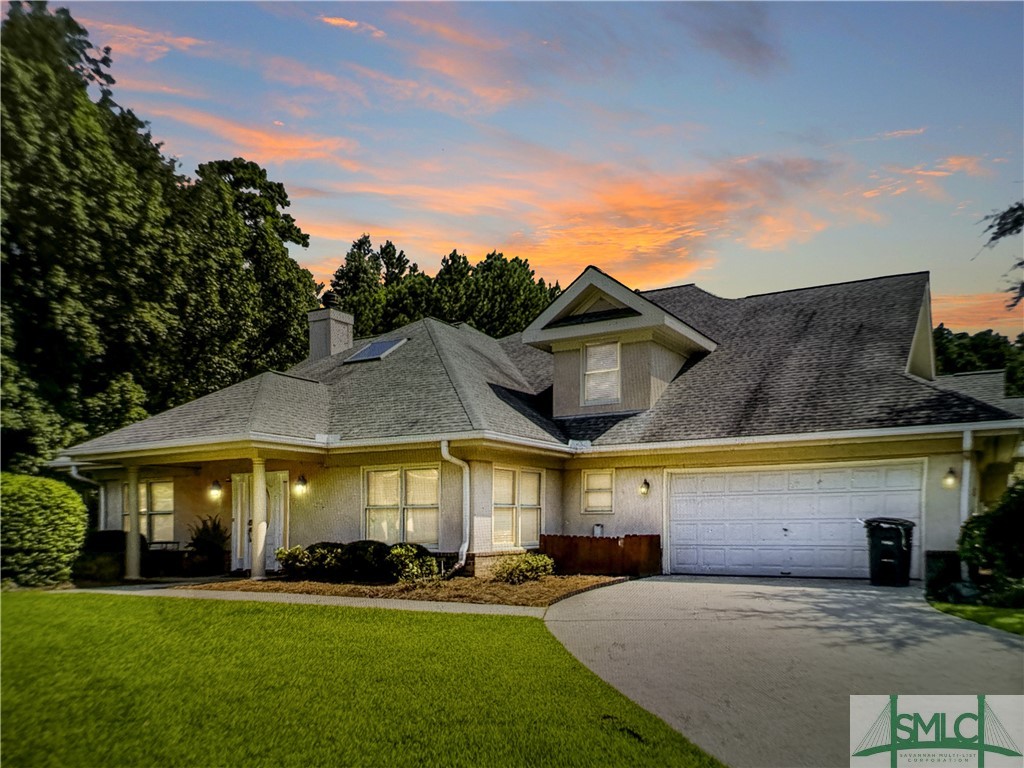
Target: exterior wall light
(949, 479)
(645, 487)
(300, 485)
(215, 490)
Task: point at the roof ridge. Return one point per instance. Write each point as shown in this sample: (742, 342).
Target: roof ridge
(293, 376)
(839, 282)
(474, 422)
(255, 401)
(972, 373)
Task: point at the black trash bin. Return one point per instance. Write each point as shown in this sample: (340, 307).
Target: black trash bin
(889, 544)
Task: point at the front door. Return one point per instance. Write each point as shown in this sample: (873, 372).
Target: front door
(241, 517)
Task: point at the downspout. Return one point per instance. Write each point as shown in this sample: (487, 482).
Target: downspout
(464, 547)
(102, 493)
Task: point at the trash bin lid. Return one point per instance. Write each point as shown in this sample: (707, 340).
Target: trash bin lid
(889, 522)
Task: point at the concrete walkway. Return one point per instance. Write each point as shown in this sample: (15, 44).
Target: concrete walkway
(759, 672)
(148, 590)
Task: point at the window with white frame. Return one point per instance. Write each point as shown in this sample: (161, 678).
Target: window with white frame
(156, 510)
(402, 505)
(601, 373)
(516, 515)
(597, 492)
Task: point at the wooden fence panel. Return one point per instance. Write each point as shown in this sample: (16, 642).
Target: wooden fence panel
(631, 555)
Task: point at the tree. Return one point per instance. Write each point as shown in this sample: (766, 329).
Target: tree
(126, 287)
(1003, 224)
(452, 288)
(983, 351)
(504, 295)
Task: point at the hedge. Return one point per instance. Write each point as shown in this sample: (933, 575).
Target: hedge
(43, 526)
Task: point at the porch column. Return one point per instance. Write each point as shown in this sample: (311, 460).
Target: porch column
(132, 552)
(259, 519)
(966, 476)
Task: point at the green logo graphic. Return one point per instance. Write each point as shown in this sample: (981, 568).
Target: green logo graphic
(896, 732)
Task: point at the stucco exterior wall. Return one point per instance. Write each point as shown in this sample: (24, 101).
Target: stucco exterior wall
(634, 381)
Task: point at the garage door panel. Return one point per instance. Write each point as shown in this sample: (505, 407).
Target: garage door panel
(799, 522)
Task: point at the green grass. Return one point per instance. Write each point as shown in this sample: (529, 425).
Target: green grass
(1008, 619)
(104, 680)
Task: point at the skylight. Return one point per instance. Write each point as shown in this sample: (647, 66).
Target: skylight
(375, 350)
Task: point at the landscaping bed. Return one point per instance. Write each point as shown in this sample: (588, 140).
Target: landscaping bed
(540, 593)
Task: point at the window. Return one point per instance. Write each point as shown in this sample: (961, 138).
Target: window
(517, 508)
(597, 492)
(156, 510)
(401, 505)
(600, 373)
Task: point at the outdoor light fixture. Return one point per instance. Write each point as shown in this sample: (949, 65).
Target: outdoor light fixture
(949, 479)
(215, 490)
(300, 485)
(645, 487)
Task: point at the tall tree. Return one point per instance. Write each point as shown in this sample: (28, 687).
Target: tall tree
(504, 295)
(1003, 224)
(126, 288)
(982, 351)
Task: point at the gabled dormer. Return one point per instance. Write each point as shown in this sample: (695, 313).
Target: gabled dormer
(614, 351)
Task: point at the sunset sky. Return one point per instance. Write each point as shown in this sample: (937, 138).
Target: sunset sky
(747, 148)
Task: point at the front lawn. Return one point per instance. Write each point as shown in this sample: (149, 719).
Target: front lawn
(1008, 619)
(110, 680)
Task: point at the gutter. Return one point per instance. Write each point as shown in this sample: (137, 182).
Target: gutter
(464, 547)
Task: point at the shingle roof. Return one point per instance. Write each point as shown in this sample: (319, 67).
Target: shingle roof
(827, 358)
(987, 386)
(819, 359)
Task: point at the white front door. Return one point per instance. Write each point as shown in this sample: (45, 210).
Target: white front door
(241, 516)
(781, 521)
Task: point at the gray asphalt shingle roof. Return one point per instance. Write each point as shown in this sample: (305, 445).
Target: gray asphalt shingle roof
(819, 359)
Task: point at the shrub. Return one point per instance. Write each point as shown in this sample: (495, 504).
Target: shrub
(367, 561)
(326, 562)
(411, 562)
(992, 545)
(294, 562)
(525, 567)
(102, 556)
(44, 524)
(210, 540)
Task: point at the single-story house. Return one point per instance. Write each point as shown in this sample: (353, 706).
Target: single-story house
(751, 434)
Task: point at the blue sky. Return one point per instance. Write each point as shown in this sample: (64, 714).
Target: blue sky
(746, 147)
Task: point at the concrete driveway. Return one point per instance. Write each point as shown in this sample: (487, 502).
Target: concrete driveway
(758, 672)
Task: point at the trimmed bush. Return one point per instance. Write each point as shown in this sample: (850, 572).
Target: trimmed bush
(411, 562)
(43, 527)
(367, 562)
(360, 561)
(526, 567)
(992, 545)
(102, 556)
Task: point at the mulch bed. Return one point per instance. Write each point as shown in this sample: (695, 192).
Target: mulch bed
(541, 593)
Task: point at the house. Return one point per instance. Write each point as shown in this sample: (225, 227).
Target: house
(751, 434)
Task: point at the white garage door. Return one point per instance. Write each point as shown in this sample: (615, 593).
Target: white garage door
(787, 522)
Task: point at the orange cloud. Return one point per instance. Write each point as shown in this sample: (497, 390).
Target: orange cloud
(356, 26)
(150, 86)
(451, 34)
(965, 164)
(411, 90)
(263, 146)
(903, 133)
(136, 42)
(978, 312)
(774, 231)
(291, 72)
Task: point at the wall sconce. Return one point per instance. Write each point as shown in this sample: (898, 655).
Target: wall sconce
(215, 490)
(949, 479)
(644, 488)
(300, 485)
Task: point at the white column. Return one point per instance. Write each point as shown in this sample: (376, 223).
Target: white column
(259, 519)
(133, 553)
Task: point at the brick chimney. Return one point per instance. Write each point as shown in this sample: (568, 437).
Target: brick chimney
(330, 329)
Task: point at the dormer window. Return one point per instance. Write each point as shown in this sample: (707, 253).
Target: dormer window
(601, 373)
